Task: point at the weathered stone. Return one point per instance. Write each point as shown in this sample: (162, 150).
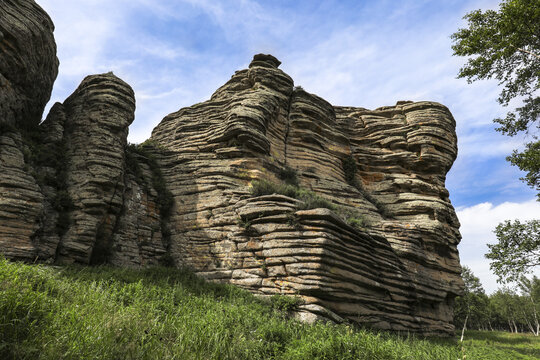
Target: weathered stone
(97, 116)
(138, 238)
(28, 67)
(399, 272)
(20, 200)
(28, 63)
(379, 248)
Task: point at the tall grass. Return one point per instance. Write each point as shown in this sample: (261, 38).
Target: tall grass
(163, 313)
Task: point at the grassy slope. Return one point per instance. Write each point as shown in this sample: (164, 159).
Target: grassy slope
(501, 345)
(161, 313)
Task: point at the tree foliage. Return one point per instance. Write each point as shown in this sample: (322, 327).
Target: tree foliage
(470, 308)
(505, 45)
(517, 250)
(504, 310)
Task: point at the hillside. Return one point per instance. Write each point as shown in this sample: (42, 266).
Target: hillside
(78, 312)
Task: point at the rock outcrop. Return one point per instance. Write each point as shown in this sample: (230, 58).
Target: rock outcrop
(264, 186)
(28, 68)
(399, 270)
(28, 63)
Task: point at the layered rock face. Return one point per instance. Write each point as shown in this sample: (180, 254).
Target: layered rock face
(67, 194)
(28, 67)
(264, 186)
(399, 270)
(28, 63)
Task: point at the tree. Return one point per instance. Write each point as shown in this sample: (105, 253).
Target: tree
(506, 306)
(472, 307)
(505, 45)
(530, 291)
(518, 249)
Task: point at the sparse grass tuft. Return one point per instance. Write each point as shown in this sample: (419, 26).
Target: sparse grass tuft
(285, 303)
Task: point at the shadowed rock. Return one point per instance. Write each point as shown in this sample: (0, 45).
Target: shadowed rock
(28, 63)
(28, 67)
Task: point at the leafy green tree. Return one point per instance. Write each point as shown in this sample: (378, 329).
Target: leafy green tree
(506, 306)
(530, 292)
(471, 309)
(505, 45)
(517, 251)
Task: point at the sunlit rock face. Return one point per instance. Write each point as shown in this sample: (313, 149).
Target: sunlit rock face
(376, 246)
(399, 270)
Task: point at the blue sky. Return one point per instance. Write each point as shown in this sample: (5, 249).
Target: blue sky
(175, 53)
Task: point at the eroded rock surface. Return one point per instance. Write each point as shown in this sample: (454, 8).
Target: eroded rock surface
(365, 230)
(28, 67)
(399, 271)
(28, 63)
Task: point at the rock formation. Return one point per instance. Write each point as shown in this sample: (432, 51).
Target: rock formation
(264, 186)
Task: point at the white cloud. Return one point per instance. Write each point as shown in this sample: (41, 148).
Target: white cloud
(477, 225)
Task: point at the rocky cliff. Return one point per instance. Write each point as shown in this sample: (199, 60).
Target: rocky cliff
(265, 186)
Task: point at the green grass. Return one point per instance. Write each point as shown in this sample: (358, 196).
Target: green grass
(501, 345)
(102, 312)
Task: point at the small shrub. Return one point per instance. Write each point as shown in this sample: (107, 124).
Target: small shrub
(244, 224)
(358, 223)
(285, 303)
(352, 217)
(292, 220)
(309, 199)
(288, 175)
(313, 201)
(265, 187)
(350, 169)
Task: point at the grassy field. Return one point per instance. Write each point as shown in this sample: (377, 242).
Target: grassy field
(75, 312)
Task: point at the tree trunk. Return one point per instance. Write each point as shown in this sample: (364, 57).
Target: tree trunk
(535, 318)
(464, 326)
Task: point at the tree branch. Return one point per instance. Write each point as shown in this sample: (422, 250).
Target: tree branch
(528, 52)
